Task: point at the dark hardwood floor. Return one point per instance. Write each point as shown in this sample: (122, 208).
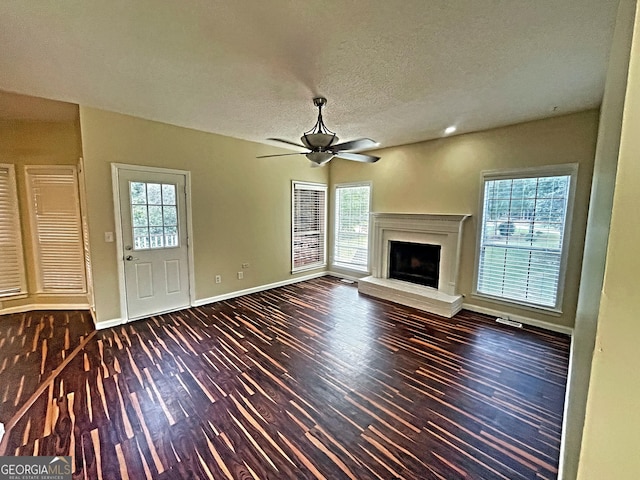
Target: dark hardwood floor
(309, 381)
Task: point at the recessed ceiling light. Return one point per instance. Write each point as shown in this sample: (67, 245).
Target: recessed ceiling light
(449, 130)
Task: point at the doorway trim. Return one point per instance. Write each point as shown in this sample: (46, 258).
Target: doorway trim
(115, 170)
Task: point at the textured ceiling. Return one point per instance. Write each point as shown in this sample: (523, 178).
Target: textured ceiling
(397, 71)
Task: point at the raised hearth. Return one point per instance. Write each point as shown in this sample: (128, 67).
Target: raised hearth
(444, 231)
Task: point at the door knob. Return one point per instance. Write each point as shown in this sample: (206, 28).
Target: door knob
(130, 258)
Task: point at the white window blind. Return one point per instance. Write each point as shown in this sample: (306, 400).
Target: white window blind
(522, 244)
(351, 242)
(309, 207)
(56, 225)
(12, 277)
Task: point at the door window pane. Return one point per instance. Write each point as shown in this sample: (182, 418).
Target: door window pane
(154, 195)
(171, 236)
(139, 213)
(138, 193)
(168, 194)
(154, 215)
(170, 215)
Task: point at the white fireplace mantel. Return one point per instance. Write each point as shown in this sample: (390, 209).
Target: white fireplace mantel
(444, 230)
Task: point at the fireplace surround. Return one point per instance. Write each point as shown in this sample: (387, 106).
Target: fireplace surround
(441, 230)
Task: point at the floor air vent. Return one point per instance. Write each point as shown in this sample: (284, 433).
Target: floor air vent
(506, 321)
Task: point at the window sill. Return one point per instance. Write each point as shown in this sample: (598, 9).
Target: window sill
(308, 267)
(556, 312)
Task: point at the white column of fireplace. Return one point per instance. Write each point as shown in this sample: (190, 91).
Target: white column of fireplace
(442, 230)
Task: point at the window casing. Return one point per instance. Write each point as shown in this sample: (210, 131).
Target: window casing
(12, 273)
(523, 237)
(351, 228)
(309, 213)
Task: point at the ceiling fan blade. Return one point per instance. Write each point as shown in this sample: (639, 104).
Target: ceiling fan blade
(281, 155)
(286, 141)
(357, 157)
(359, 144)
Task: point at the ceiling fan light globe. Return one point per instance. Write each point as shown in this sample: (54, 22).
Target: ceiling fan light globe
(319, 140)
(319, 158)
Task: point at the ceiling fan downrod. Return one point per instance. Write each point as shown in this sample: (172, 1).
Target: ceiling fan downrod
(319, 138)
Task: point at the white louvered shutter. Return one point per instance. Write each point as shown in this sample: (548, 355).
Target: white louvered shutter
(56, 229)
(12, 278)
(309, 225)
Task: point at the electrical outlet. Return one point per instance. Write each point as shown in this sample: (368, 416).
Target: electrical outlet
(240, 275)
(245, 265)
(218, 279)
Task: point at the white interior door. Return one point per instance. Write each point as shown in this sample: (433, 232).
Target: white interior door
(154, 238)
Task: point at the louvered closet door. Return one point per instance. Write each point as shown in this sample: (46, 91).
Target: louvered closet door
(56, 229)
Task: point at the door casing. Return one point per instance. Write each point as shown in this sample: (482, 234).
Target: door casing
(115, 169)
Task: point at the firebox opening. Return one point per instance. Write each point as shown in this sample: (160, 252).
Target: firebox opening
(415, 262)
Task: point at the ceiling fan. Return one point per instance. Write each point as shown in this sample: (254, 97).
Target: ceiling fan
(322, 145)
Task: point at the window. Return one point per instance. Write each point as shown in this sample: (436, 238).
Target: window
(56, 227)
(351, 241)
(523, 238)
(154, 215)
(309, 210)
(12, 278)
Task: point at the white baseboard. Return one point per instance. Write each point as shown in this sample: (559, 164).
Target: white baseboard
(44, 306)
(260, 288)
(114, 322)
(519, 318)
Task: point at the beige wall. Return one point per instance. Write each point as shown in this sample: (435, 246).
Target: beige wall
(611, 436)
(444, 176)
(241, 205)
(37, 143)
